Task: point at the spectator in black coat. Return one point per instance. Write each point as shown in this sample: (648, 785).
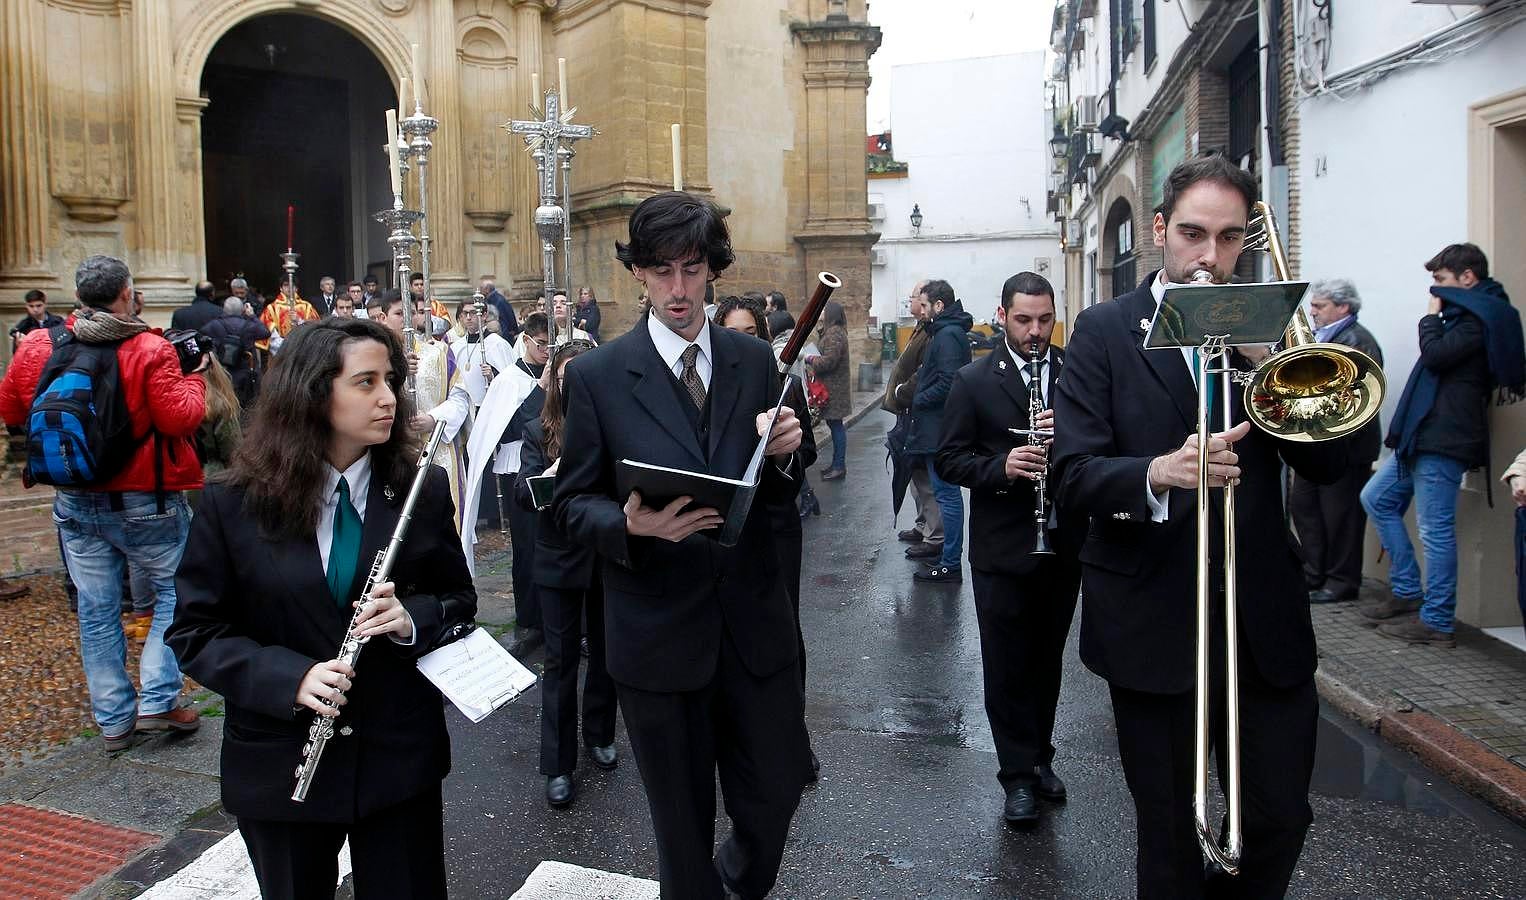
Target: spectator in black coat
(233, 335)
(37, 316)
(586, 316)
(508, 324)
(202, 310)
(948, 351)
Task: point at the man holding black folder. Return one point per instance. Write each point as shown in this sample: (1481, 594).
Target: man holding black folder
(700, 638)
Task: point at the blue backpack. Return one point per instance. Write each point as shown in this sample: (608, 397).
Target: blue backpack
(79, 432)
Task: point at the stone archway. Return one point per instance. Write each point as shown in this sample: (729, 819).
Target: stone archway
(205, 29)
(1119, 248)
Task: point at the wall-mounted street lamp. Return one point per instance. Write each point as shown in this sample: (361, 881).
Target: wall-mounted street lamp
(1059, 143)
(916, 220)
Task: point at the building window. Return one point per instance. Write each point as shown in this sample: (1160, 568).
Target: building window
(1125, 31)
(1148, 21)
(1244, 107)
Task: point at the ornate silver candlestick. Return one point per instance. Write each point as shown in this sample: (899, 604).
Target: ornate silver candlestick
(401, 239)
(417, 128)
(289, 265)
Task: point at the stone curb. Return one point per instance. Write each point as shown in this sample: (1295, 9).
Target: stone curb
(1462, 760)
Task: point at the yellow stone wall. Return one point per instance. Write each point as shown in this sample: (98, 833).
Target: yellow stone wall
(105, 157)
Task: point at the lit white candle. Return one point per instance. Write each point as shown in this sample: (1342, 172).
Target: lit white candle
(535, 97)
(397, 177)
(418, 79)
(678, 160)
(561, 80)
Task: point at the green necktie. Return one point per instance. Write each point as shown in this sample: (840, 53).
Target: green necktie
(345, 546)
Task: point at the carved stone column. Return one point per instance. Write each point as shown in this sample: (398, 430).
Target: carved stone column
(446, 217)
(156, 263)
(836, 234)
(524, 246)
(23, 172)
(188, 112)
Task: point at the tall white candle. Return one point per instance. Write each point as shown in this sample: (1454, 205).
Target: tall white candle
(561, 80)
(535, 96)
(678, 160)
(402, 93)
(397, 177)
(418, 79)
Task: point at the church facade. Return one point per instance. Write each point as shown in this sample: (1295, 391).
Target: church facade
(175, 133)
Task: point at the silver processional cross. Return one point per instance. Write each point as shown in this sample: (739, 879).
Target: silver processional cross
(549, 141)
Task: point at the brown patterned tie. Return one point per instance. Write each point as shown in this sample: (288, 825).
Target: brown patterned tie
(690, 377)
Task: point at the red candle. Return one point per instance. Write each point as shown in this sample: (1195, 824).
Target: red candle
(290, 214)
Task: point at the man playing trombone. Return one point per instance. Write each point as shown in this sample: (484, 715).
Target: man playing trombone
(1024, 571)
(1127, 457)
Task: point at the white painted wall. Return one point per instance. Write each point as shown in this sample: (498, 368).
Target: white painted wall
(1384, 179)
(972, 133)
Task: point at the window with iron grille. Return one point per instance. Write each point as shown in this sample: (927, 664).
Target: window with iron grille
(1148, 21)
(1244, 106)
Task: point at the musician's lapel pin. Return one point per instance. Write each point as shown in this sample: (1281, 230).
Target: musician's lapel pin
(388, 493)
(1144, 324)
(1001, 364)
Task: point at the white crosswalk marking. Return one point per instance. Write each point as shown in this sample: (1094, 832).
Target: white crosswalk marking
(554, 880)
(222, 872)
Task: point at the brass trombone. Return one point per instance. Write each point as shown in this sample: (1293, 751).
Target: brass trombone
(1308, 391)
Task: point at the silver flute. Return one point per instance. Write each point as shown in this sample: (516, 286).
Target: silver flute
(322, 729)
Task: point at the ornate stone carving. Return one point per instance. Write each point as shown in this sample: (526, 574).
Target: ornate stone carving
(395, 7)
(91, 209)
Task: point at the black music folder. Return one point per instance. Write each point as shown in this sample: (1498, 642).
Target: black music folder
(541, 489)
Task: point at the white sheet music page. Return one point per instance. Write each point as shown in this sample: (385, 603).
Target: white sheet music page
(476, 674)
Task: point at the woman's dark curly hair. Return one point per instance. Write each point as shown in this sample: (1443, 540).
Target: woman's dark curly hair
(279, 464)
(672, 226)
(747, 302)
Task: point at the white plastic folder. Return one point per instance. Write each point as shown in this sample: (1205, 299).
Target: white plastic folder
(476, 674)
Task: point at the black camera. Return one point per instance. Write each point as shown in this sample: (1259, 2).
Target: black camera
(190, 346)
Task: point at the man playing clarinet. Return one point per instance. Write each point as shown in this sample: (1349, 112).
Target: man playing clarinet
(1025, 597)
(700, 638)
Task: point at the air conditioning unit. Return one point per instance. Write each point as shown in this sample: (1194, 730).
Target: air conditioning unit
(878, 257)
(876, 211)
(1086, 112)
(1093, 156)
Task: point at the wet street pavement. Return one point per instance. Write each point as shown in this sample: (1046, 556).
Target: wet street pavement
(908, 804)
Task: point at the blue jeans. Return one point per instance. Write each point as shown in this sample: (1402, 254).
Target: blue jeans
(1433, 482)
(98, 542)
(839, 443)
(951, 506)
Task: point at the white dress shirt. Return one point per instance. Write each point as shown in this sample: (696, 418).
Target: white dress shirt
(671, 347)
(358, 475)
(1025, 367)
(1160, 504)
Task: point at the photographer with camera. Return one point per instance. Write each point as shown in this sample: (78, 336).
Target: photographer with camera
(110, 407)
(234, 336)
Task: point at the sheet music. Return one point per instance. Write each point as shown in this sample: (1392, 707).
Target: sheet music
(476, 674)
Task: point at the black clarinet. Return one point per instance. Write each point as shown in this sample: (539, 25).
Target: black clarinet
(1036, 438)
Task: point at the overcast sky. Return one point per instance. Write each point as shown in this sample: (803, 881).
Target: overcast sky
(917, 31)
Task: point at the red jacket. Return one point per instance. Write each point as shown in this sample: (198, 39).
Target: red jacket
(157, 395)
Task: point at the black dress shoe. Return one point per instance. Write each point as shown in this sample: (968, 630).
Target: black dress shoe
(909, 536)
(924, 550)
(1050, 787)
(559, 791)
(1323, 595)
(605, 758)
(1022, 808)
(813, 771)
(940, 575)
(833, 474)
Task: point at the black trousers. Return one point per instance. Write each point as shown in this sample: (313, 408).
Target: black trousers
(1155, 737)
(397, 852)
(1331, 526)
(563, 610)
(750, 729)
(522, 525)
(791, 547)
(1024, 620)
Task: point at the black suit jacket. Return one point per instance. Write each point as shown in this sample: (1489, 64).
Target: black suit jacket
(324, 305)
(253, 615)
(987, 398)
(1117, 407)
(668, 606)
(558, 562)
(1365, 448)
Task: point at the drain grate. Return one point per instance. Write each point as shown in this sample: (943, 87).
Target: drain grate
(47, 854)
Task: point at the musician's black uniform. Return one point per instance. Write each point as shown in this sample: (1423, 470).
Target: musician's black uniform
(700, 638)
(1023, 603)
(567, 582)
(1120, 406)
(253, 616)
